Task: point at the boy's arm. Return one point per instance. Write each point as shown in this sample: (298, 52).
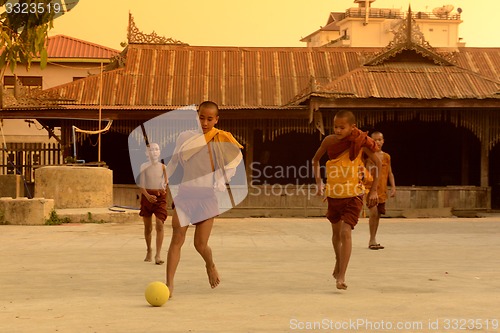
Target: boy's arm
(142, 186)
(175, 159)
(172, 164)
(372, 198)
(316, 167)
(392, 181)
(164, 184)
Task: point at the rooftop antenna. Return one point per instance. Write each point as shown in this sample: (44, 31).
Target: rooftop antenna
(442, 12)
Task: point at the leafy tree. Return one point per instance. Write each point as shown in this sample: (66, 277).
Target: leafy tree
(24, 27)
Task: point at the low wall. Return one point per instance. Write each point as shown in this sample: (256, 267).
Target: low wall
(298, 200)
(11, 186)
(461, 200)
(25, 211)
(126, 195)
(75, 186)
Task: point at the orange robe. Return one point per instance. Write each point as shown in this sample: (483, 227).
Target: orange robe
(354, 143)
(342, 176)
(383, 177)
(345, 164)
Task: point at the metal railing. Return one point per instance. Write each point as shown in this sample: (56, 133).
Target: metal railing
(396, 14)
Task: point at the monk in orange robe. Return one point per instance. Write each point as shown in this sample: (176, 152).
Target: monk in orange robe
(206, 168)
(384, 175)
(344, 189)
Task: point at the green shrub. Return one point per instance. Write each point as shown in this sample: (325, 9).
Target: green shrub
(54, 219)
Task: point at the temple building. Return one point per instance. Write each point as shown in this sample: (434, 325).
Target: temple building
(438, 108)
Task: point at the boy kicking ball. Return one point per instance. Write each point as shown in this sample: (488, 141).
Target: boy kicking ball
(344, 189)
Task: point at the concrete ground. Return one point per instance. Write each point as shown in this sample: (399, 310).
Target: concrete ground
(435, 275)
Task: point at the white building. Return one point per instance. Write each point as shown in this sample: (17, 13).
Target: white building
(366, 26)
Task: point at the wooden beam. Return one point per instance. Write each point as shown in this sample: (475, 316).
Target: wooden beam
(50, 131)
(381, 103)
(300, 112)
(137, 114)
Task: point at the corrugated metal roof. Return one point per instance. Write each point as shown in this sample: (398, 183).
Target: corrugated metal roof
(239, 77)
(61, 46)
(416, 82)
(235, 77)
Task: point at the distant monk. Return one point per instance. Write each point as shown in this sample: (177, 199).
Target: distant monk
(152, 183)
(384, 175)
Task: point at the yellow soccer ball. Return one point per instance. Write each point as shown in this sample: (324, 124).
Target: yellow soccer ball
(157, 293)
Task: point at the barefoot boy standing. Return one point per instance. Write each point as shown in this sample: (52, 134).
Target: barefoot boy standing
(385, 175)
(344, 189)
(153, 183)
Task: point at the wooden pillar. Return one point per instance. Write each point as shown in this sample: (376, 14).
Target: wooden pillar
(249, 149)
(465, 161)
(66, 138)
(485, 150)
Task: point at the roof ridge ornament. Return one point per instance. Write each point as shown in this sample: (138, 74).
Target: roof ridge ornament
(409, 37)
(135, 36)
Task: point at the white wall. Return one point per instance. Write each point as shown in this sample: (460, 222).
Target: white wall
(322, 38)
(57, 74)
(17, 130)
(440, 34)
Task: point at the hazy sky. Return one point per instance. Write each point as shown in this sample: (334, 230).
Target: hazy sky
(248, 22)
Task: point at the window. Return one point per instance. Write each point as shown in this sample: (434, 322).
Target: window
(30, 82)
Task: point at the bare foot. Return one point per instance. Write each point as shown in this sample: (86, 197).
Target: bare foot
(213, 276)
(336, 271)
(158, 260)
(171, 290)
(149, 255)
(341, 285)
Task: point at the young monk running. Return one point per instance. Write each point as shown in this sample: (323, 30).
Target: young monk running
(196, 202)
(344, 190)
(153, 183)
(385, 174)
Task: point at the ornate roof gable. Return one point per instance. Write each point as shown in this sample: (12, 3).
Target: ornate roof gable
(135, 36)
(410, 38)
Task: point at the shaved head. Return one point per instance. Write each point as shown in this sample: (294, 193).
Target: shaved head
(348, 115)
(377, 133)
(209, 105)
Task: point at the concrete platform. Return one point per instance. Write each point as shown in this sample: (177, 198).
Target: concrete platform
(100, 215)
(435, 275)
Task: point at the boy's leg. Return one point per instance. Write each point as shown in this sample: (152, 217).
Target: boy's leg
(373, 222)
(174, 250)
(336, 242)
(159, 241)
(201, 236)
(148, 229)
(343, 230)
